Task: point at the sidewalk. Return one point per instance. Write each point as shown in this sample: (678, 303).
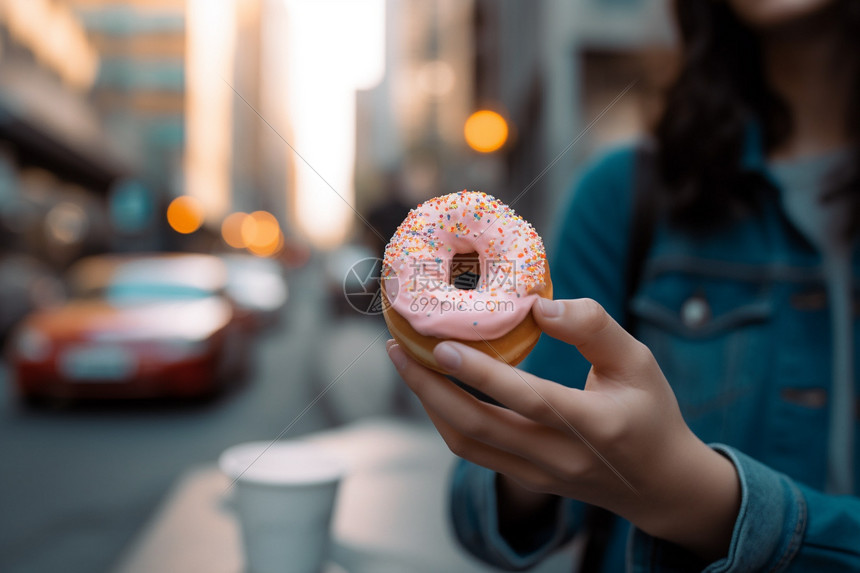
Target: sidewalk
(391, 514)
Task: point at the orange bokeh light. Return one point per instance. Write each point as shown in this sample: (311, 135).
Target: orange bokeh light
(485, 131)
(185, 214)
(261, 233)
(231, 229)
(270, 249)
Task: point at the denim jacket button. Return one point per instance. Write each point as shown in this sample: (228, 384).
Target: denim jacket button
(695, 312)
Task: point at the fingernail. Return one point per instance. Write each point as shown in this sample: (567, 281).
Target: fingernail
(447, 356)
(388, 344)
(397, 356)
(550, 308)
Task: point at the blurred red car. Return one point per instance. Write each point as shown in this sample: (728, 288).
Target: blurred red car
(148, 326)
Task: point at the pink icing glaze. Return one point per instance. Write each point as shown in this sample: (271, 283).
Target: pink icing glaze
(417, 267)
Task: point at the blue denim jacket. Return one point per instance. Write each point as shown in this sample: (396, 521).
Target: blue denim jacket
(739, 323)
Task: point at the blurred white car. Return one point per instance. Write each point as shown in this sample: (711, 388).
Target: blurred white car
(257, 287)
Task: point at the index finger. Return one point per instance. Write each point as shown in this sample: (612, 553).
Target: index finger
(535, 398)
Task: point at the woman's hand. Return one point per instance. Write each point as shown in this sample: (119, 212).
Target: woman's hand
(620, 443)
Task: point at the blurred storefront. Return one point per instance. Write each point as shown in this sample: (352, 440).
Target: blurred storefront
(56, 159)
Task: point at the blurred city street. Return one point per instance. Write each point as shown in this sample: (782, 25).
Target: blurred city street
(215, 214)
(86, 477)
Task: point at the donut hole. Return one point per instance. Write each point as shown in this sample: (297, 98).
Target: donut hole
(465, 271)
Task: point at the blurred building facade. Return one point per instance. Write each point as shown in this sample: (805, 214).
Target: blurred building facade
(549, 67)
(558, 69)
(170, 102)
(170, 97)
(139, 93)
(411, 124)
(140, 85)
(58, 163)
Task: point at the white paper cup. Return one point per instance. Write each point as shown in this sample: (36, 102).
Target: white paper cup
(285, 494)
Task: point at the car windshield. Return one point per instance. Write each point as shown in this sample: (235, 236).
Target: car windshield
(145, 292)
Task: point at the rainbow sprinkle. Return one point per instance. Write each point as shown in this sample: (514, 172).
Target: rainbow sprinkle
(468, 215)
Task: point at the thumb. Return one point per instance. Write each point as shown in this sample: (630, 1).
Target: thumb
(585, 324)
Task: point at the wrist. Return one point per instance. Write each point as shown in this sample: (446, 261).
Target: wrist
(698, 504)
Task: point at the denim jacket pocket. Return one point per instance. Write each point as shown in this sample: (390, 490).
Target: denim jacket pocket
(710, 337)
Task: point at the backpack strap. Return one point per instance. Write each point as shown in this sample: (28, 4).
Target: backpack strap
(600, 523)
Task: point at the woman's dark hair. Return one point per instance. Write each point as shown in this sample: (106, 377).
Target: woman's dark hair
(719, 89)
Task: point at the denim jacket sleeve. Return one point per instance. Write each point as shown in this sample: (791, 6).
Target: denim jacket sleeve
(782, 525)
(587, 260)
(474, 514)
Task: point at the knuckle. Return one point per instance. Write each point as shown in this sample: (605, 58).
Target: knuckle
(414, 382)
(593, 317)
(571, 470)
(643, 355)
(613, 431)
(480, 376)
(537, 409)
(475, 426)
(413, 377)
(458, 445)
(537, 483)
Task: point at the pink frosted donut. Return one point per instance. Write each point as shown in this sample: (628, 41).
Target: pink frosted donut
(425, 307)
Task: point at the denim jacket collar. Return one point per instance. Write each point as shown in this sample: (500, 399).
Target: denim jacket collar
(754, 159)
